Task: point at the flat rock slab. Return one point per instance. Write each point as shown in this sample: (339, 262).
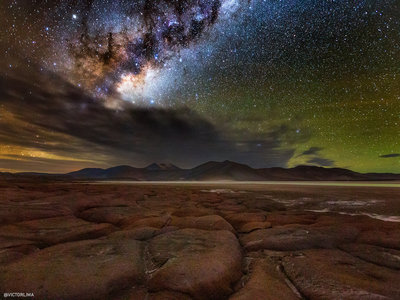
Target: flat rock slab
(140, 293)
(91, 269)
(52, 231)
(238, 219)
(157, 222)
(334, 274)
(13, 249)
(193, 211)
(203, 264)
(249, 227)
(7, 242)
(11, 212)
(285, 218)
(378, 255)
(297, 237)
(387, 239)
(266, 282)
(263, 204)
(116, 215)
(363, 223)
(213, 222)
(142, 233)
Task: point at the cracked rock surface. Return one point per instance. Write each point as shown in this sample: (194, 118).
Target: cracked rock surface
(115, 241)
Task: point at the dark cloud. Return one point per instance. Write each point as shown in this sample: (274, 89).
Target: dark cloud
(312, 151)
(48, 114)
(390, 155)
(42, 165)
(323, 162)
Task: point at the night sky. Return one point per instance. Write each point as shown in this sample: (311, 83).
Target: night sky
(263, 82)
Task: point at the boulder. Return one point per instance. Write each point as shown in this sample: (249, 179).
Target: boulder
(12, 212)
(296, 237)
(378, 255)
(91, 269)
(203, 264)
(14, 249)
(213, 222)
(57, 230)
(249, 227)
(383, 238)
(157, 222)
(115, 215)
(334, 274)
(238, 219)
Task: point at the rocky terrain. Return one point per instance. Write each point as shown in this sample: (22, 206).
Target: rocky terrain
(97, 241)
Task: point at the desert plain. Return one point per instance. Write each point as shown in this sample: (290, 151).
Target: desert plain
(122, 240)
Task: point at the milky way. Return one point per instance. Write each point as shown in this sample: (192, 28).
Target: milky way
(120, 49)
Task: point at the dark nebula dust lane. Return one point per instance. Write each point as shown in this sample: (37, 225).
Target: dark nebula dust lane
(146, 34)
(262, 82)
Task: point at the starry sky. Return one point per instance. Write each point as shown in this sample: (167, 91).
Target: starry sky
(98, 83)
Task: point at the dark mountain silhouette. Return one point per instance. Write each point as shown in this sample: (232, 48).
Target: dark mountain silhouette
(162, 167)
(226, 170)
(311, 173)
(154, 171)
(211, 171)
(89, 173)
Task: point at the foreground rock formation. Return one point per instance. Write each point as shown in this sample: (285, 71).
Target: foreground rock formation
(98, 241)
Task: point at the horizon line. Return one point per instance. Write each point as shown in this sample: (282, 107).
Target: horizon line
(187, 169)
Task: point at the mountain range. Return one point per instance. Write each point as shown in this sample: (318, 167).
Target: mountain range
(211, 171)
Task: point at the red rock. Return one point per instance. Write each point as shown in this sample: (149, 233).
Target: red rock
(264, 204)
(239, 219)
(141, 293)
(265, 281)
(279, 218)
(12, 212)
(139, 233)
(231, 207)
(297, 237)
(55, 230)
(213, 222)
(115, 215)
(14, 249)
(167, 295)
(386, 239)
(381, 256)
(7, 242)
(362, 223)
(10, 255)
(92, 269)
(157, 222)
(249, 227)
(334, 274)
(203, 264)
(193, 211)
(155, 260)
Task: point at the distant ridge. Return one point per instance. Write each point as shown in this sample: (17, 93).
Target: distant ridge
(162, 167)
(210, 171)
(226, 170)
